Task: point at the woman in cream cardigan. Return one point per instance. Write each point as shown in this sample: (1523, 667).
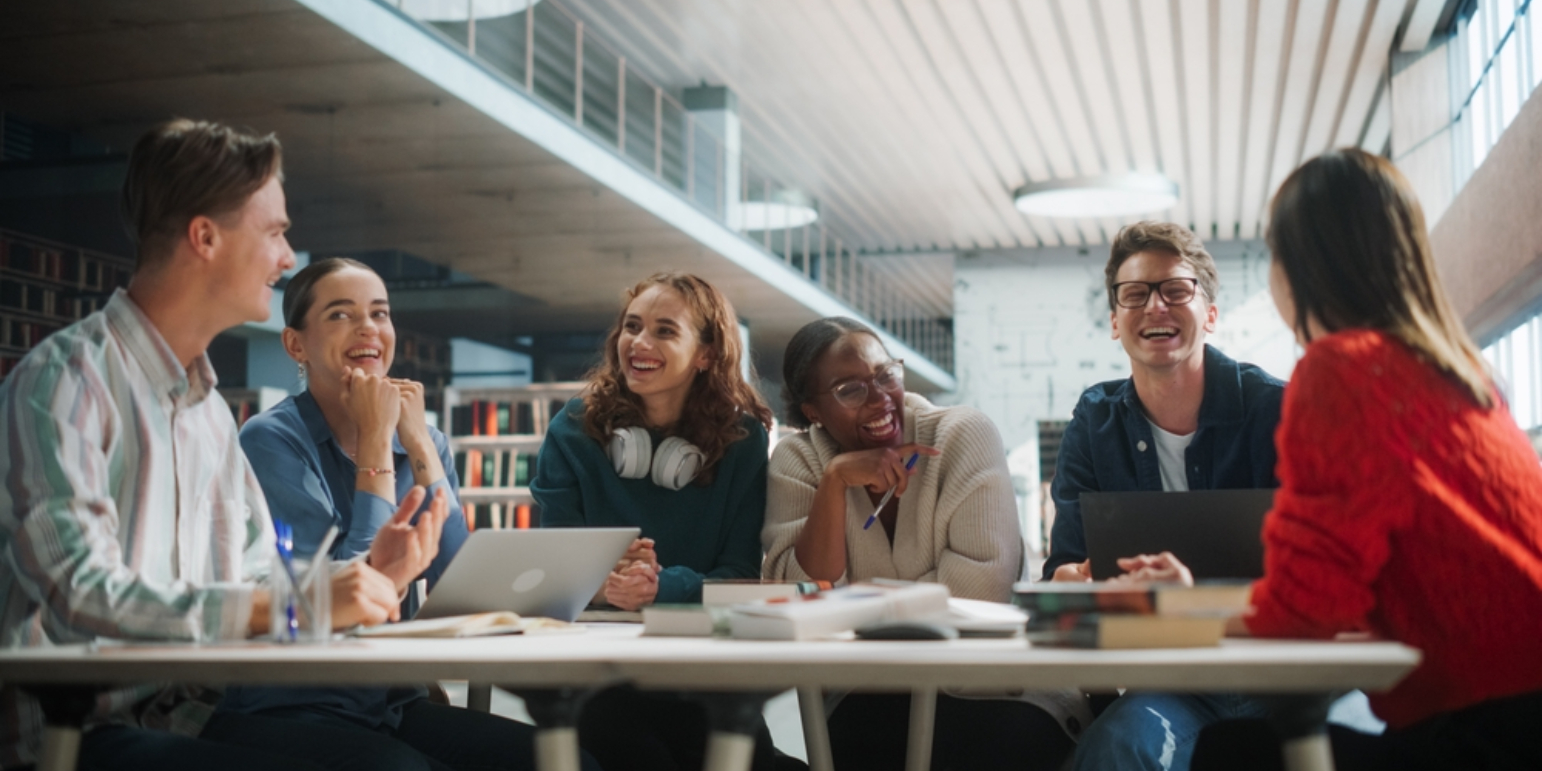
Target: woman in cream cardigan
(952, 520)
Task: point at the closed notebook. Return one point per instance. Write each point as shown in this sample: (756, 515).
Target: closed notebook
(473, 625)
(813, 616)
(685, 621)
(729, 591)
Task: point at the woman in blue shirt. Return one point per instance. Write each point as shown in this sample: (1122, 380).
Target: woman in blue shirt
(669, 437)
(343, 453)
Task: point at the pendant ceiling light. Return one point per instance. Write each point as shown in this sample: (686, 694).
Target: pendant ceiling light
(461, 10)
(781, 210)
(1113, 195)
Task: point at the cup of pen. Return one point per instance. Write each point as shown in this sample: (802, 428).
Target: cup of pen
(301, 590)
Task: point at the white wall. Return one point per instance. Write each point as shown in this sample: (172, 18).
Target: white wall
(1032, 329)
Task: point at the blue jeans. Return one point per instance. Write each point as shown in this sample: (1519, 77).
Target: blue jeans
(1157, 731)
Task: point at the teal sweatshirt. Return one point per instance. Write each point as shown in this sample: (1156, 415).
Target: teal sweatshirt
(698, 532)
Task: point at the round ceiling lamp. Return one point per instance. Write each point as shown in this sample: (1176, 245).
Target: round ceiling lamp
(781, 210)
(1112, 195)
(461, 10)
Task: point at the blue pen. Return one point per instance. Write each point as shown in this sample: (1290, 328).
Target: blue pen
(909, 465)
(284, 540)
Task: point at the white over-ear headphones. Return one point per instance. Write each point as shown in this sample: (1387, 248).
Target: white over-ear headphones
(674, 464)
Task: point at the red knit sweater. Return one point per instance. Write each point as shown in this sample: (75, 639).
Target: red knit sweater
(1406, 510)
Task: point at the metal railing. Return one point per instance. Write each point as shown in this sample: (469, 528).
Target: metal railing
(546, 51)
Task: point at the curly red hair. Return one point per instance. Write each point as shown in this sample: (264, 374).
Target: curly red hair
(719, 397)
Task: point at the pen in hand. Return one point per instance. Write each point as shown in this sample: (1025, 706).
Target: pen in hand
(882, 502)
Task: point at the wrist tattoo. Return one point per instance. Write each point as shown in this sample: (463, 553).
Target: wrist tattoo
(420, 467)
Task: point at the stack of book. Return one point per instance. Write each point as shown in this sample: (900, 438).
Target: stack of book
(1130, 615)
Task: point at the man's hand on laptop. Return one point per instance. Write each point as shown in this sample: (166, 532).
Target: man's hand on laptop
(362, 595)
(403, 550)
(1155, 568)
(1074, 571)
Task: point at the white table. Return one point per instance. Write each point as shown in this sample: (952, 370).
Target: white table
(607, 655)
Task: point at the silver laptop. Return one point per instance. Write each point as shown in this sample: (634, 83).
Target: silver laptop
(550, 572)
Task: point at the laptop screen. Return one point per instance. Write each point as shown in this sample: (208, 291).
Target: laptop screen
(1216, 533)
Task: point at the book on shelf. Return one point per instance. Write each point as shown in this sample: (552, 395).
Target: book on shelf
(685, 621)
(482, 417)
(1125, 630)
(494, 468)
(1204, 598)
(732, 591)
(823, 614)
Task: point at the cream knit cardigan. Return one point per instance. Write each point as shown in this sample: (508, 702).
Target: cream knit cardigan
(957, 525)
(957, 522)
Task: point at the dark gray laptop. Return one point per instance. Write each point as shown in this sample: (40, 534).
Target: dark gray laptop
(550, 572)
(1216, 533)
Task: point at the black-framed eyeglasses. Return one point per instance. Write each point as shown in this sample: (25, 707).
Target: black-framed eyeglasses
(1174, 291)
(853, 393)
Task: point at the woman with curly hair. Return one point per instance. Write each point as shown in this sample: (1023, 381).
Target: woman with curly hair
(628, 453)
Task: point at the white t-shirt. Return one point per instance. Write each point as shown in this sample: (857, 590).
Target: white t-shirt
(1170, 448)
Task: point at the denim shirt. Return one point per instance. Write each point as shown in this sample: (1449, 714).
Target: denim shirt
(1108, 445)
(310, 483)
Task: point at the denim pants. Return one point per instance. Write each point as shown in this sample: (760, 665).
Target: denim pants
(1157, 731)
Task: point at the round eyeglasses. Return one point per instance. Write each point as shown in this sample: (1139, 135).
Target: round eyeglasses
(853, 393)
(1174, 291)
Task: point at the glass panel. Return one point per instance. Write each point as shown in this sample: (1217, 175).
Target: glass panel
(1521, 372)
(600, 89)
(556, 50)
(674, 144)
(501, 44)
(639, 120)
(1506, 87)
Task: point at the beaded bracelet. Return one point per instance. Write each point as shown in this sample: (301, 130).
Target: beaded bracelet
(374, 472)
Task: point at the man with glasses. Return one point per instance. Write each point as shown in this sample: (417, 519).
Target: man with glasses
(1187, 418)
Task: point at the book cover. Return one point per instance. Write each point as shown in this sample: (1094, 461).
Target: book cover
(1205, 598)
(1123, 631)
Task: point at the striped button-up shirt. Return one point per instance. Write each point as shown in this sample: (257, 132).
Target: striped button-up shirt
(127, 510)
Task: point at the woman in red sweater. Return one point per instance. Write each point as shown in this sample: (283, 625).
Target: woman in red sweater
(1410, 503)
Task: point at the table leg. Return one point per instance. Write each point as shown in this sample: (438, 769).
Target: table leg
(923, 716)
(1301, 721)
(816, 731)
(479, 697)
(555, 712)
(735, 719)
(1308, 753)
(65, 708)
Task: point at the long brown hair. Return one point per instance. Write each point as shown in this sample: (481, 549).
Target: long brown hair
(1350, 236)
(718, 398)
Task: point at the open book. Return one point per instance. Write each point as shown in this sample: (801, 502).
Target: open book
(812, 616)
(473, 625)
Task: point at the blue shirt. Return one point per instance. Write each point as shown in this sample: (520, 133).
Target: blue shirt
(310, 483)
(1108, 445)
(710, 531)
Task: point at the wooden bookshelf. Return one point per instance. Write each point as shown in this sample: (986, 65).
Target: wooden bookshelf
(426, 359)
(46, 286)
(495, 435)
